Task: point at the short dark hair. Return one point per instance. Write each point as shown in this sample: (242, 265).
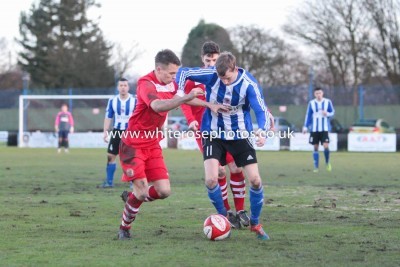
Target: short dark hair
(122, 80)
(318, 88)
(166, 57)
(210, 48)
(226, 61)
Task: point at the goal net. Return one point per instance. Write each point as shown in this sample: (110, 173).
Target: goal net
(37, 114)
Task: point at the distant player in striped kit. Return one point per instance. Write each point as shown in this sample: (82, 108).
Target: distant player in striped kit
(194, 115)
(229, 131)
(119, 108)
(319, 112)
(64, 125)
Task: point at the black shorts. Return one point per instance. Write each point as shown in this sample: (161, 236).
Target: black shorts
(319, 137)
(63, 134)
(241, 150)
(113, 145)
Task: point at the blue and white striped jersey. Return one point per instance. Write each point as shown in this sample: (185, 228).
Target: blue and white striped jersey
(315, 117)
(120, 110)
(239, 96)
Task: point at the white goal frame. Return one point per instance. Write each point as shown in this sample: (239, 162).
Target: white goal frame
(21, 112)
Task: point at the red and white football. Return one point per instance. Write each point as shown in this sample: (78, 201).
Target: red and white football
(217, 227)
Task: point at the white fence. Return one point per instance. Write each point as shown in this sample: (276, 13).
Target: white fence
(298, 141)
(82, 140)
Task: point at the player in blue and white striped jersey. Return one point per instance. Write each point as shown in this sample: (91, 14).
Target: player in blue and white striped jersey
(319, 112)
(237, 90)
(238, 96)
(120, 108)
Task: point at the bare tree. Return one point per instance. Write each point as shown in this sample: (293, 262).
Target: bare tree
(5, 56)
(313, 24)
(267, 57)
(355, 37)
(340, 30)
(385, 39)
(124, 58)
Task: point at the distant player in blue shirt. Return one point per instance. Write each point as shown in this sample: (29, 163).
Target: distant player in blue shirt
(319, 112)
(119, 108)
(231, 131)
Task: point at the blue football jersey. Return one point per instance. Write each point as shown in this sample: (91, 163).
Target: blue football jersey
(239, 96)
(120, 110)
(315, 118)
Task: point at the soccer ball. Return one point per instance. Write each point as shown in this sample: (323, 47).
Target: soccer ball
(217, 227)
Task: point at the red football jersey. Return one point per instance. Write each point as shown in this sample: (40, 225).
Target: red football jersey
(145, 126)
(193, 113)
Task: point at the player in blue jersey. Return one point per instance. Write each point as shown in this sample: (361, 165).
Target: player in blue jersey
(319, 112)
(119, 108)
(194, 114)
(231, 131)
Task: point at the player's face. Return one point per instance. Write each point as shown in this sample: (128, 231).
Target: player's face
(123, 88)
(209, 60)
(229, 77)
(318, 94)
(64, 108)
(166, 73)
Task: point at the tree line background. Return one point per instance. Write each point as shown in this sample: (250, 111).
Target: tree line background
(340, 43)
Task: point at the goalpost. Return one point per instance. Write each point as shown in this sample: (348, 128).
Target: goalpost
(22, 108)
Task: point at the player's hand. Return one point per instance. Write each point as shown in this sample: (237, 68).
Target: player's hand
(194, 125)
(260, 141)
(71, 130)
(260, 138)
(105, 137)
(305, 130)
(217, 108)
(195, 92)
(324, 113)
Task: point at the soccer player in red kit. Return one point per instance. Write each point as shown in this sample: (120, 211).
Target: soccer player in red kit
(194, 115)
(141, 156)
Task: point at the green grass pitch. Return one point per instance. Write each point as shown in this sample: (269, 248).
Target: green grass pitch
(52, 214)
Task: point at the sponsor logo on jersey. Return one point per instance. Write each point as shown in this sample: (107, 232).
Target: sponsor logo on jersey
(164, 88)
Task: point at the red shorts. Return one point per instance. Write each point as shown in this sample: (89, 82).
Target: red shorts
(229, 158)
(139, 163)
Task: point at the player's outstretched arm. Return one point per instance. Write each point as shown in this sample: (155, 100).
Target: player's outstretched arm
(213, 107)
(162, 105)
(187, 109)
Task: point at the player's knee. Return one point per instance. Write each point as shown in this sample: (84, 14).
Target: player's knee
(211, 182)
(164, 192)
(235, 169)
(255, 181)
(110, 159)
(221, 172)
